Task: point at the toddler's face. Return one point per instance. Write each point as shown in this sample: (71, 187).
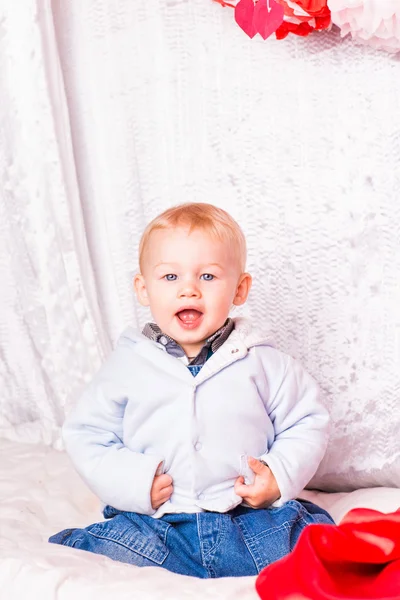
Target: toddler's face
(190, 281)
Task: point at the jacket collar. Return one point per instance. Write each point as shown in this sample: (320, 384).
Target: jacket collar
(214, 342)
(243, 337)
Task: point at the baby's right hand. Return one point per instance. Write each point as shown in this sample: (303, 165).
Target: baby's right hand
(161, 490)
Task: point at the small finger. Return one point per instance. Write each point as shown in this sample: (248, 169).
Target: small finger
(167, 492)
(155, 503)
(164, 498)
(241, 489)
(256, 466)
(161, 497)
(165, 486)
(239, 483)
(248, 490)
(163, 481)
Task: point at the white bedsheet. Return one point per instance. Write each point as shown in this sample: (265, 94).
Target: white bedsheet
(40, 494)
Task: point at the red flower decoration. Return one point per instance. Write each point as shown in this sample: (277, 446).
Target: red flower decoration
(318, 17)
(359, 558)
(312, 15)
(314, 7)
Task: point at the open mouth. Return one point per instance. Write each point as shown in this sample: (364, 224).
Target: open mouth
(189, 318)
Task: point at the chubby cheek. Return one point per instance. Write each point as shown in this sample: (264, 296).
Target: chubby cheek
(221, 303)
(161, 301)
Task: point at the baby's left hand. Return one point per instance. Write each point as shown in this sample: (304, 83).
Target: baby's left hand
(264, 491)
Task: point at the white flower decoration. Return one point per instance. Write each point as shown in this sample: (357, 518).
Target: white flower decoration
(372, 22)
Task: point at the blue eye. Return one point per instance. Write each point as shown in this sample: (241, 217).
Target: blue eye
(170, 277)
(207, 277)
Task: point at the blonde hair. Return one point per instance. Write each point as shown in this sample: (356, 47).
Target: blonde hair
(197, 215)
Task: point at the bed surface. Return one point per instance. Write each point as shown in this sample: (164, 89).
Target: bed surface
(41, 494)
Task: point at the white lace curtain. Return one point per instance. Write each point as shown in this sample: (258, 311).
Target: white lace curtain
(112, 111)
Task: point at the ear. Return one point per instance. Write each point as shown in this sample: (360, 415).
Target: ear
(243, 289)
(140, 289)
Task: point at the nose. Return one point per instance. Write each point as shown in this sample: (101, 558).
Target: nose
(189, 289)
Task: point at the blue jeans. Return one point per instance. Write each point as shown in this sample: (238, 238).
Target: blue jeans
(207, 544)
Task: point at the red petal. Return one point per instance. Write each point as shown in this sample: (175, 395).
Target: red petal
(322, 22)
(268, 16)
(244, 14)
(282, 31)
(303, 29)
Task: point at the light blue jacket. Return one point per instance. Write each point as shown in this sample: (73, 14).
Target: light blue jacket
(144, 408)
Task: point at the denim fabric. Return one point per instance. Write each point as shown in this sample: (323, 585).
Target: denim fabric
(207, 544)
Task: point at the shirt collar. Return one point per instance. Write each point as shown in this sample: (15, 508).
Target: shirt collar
(215, 341)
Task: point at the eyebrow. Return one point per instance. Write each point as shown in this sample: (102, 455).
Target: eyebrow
(164, 264)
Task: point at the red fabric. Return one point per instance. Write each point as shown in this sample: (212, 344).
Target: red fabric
(322, 22)
(302, 29)
(359, 559)
(317, 9)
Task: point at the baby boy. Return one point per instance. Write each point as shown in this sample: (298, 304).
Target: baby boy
(197, 434)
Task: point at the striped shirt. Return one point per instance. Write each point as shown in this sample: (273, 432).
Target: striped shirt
(194, 364)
